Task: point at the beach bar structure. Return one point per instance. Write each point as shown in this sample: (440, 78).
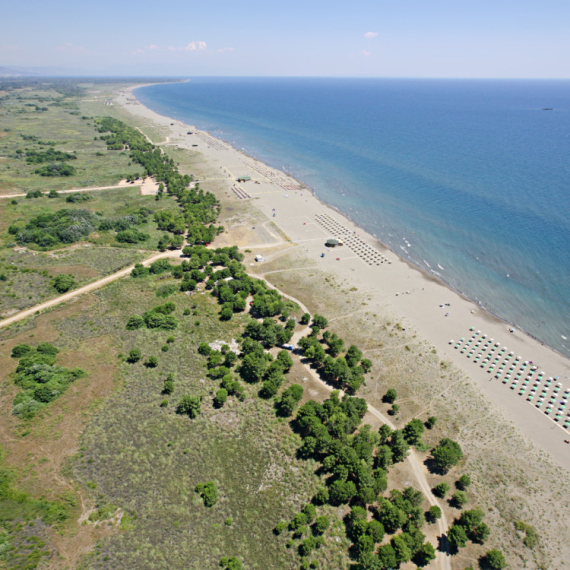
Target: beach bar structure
(245, 178)
(333, 242)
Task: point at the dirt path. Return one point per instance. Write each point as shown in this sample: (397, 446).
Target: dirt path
(74, 191)
(85, 289)
(443, 558)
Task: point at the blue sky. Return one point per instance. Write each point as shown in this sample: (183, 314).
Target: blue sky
(405, 38)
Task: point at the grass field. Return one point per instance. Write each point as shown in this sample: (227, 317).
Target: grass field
(142, 461)
(62, 123)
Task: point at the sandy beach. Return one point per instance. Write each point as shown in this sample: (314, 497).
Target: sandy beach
(393, 285)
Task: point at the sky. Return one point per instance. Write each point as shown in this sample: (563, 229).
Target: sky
(359, 38)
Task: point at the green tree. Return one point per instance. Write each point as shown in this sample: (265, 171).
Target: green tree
(460, 498)
(399, 446)
(434, 513)
(151, 362)
(221, 397)
(413, 431)
(480, 533)
(495, 560)
(135, 322)
(463, 482)
(134, 355)
(190, 406)
(209, 493)
(231, 563)
(430, 422)
(425, 554)
(401, 549)
(320, 322)
(168, 387)
(305, 319)
(390, 396)
(457, 536)
(321, 524)
(64, 282)
(441, 489)
(447, 454)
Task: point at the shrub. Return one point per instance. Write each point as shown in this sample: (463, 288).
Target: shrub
(447, 454)
(495, 560)
(20, 350)
(168, 387)
(135, 322)
(231, 563)
(434, 513)
(134, 356)
(209, 493)
(459, 498)
(321, 524)
(63, 283)
(390, 396)
(221, 397)
(441, 489)
(430, 422)
(463, 482)
(190, 406)
(151, 362)
(280, 527)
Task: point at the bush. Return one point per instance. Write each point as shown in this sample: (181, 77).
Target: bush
(64, 282)
(135, 322)
(459, 499)
(441, 489)
(305, 319)
(495, 560)
(209, 493)
(151, 362)
(134, 356)
(168, 387)
(221, 397)
(447, 454)
(390, 396)
(430, 422)
(321, 524)
(320, 322)
(463, 482)
(231, 563)
(20, 350)
(434, 513)
(190, 406)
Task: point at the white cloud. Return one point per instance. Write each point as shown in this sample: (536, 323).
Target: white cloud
(71, 47)
(370, 35)
(365, 53)
(192, 46)
(153, 47)
(226, 49)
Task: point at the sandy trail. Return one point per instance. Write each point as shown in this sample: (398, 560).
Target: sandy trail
(85, 289)
(443, 558)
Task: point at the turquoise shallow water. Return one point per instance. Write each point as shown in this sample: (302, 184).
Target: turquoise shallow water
(468, 179)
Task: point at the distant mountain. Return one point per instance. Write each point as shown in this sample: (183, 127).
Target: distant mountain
(16, 72)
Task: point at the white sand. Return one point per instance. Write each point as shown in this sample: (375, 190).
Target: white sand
(396, 288)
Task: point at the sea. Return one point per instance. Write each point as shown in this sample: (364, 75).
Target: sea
(467, 179)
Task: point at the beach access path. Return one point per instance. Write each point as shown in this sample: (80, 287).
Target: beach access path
(85, 289)
(393, 286)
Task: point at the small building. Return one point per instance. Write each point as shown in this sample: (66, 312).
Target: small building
(332, 242)
(244, 178)
(259, 258)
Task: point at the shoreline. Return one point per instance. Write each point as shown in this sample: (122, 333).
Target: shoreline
(431, 274)
(401, 288)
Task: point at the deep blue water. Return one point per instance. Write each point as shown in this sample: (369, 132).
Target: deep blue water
(472, 174)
